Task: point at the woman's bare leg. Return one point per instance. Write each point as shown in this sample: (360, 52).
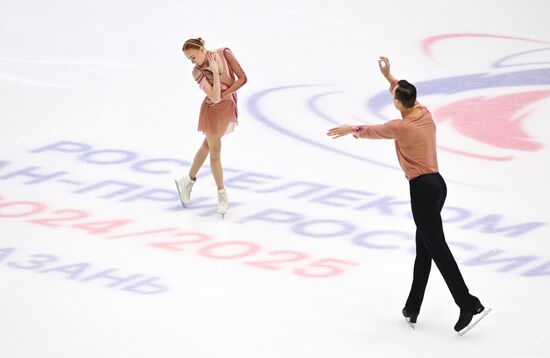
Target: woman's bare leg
(215, 146)
(199, 159)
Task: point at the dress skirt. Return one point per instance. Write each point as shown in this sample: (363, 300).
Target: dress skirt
(218, 119)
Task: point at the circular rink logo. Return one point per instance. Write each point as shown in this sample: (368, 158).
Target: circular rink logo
(488, 111)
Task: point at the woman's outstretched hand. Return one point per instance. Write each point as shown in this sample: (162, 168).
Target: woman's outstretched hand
(340, 131)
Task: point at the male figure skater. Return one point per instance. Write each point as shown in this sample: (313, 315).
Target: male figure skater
(415, 143)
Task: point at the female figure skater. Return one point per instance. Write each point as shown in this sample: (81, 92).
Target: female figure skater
(415, 143)
(215, 72)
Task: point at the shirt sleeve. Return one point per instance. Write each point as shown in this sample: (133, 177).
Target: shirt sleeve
(234, 65)
(387, 130)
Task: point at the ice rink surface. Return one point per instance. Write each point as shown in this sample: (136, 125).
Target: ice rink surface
(314, 259)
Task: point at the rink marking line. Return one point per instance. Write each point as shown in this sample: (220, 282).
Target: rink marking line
(80, 63)
(33, 82)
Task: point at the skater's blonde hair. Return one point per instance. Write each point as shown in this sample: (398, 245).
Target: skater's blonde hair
(197, 43)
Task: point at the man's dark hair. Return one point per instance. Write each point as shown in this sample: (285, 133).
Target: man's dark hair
(406, 93)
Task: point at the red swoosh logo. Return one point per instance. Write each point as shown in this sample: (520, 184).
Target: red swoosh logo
(428, 42)
(493, 121)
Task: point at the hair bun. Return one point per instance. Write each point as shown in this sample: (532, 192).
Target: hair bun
(201, 41)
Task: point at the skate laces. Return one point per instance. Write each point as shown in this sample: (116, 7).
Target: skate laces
(188, 183)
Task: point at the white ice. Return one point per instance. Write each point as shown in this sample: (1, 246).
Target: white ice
(94, 91)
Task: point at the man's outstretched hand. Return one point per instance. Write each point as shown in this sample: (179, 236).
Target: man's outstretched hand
(340, 131)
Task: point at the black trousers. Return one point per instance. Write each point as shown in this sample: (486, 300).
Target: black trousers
(428, 193)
